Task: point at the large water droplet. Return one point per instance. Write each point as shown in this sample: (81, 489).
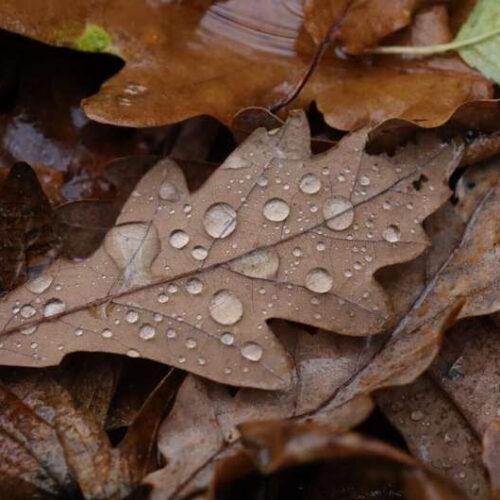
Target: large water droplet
(147, 332)
(225, 307)
(252, 351)
(276, 210)
(53, 307)
(27, 311)
(338, 213)
(319, 280)
(219, 220)
(194, 286)
(310, 184)
(178, 239)
(257, 264)
(168, 192)
(40, 284)
(392, 234)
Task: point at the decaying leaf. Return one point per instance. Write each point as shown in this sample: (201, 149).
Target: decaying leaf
(238, 54)
(283, 458)
(192, 280)
(27, 233)
(53, 449)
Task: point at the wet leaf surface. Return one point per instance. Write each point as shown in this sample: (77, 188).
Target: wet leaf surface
(215, 47)
(189, 280)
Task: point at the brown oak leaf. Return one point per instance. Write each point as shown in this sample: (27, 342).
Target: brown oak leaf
(204, 57)
(190, 280)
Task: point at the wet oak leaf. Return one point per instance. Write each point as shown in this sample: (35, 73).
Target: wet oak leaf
(200, 57)
(190, 280)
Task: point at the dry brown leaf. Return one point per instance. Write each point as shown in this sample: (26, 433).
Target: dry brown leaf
(26, 227)
(273, 233)
(491, 456)
(52, 449)
(358, 466)
(445, 413)
(237, 54)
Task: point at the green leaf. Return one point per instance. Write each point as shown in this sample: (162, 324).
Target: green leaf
(484, 55)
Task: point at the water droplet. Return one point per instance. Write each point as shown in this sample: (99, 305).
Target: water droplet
(79, 332)
(416, 415)
(199, 253)
(257, 264)
(182, 359)
(132, 353)
(178, 239)
(132, 316)
(29, 330)
(391, 233)
(227, 338)
(364, 180)
(252, 351)
(168, 192)
(162, 298)
(107, 333)
(225, 307)
(262, 181)
(134, 88)
(202, 361)
(338, 213)
(310, 184)
(219, 220)
(147, 332)
(53, 307)
(40, 284)
(276, 210)
(386, 205)
(27, 311)
(171, 333)
(194, 286)
(297, 252)
(172, 288)
(319, 280)
(191, 343)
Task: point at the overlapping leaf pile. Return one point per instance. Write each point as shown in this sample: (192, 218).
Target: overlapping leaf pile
(281, 309)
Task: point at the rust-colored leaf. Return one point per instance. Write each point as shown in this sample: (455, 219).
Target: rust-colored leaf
(192, 280)
(238, 54)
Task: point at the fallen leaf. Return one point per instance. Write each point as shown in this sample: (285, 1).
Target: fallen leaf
(216, 47)
(192, 279)
(444, 414)
(490, 456)
(26, 227)
(305, 460)
(484, 18)
(52, 449)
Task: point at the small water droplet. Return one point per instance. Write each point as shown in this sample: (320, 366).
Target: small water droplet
(171, 333)
(132, 353)
(364, 180)
(191, 343)
(225, 307)
(172, 288)
(27, 311)
(179, 239)
(53, 307)
(107, 333)
(40, 284)
(276, 210)
(252, 351)
(310, 184)
(219, 220)
(199, 253)
(194, 286)
(132, 316)
(79, 332)
(319, 280)
(29, 330)
(338, 213)
(227, 338)
(162, 298)
(168, 192)
(147, 332)
(416, 416)
(391, 233)
(202, 361)
(258, 264)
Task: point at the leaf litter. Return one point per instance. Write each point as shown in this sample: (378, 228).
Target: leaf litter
(88, 428)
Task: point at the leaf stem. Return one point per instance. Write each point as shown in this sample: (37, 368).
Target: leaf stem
(432, 49)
